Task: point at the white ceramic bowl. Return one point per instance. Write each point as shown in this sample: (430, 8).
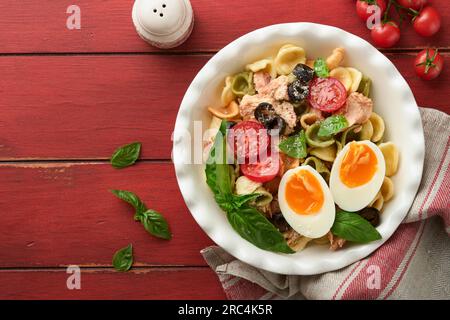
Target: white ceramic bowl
(393, 100)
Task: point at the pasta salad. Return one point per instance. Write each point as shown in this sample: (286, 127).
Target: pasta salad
(296, 154)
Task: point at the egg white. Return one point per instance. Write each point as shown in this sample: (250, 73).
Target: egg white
(355, 199)
(313, 225)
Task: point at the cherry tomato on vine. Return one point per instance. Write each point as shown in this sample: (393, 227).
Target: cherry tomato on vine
(428, 64)
(427, 22)
(413, 4)
(363, 11)
(385, 35)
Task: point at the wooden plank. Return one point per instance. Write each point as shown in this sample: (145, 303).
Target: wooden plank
(168, 283)
(106, 26)
(83, 107)
(86, 106)
(58, 214)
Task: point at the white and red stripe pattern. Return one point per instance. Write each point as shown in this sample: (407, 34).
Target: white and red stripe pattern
(412, 264)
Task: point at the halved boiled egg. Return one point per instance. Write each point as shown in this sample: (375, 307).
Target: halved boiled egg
(306, 202)
(357, 175)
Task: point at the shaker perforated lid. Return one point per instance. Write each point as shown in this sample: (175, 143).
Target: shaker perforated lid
(163, 23)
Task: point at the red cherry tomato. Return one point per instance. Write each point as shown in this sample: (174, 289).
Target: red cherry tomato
(385, 35)
(264, 170)
(327, 94)
(364, 10)
(413, 4)
(428, 64)
(248, 138)
(428, 22)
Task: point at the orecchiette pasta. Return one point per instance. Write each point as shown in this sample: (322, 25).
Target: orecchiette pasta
(288, 57)
(356, 78)
(228, 112)
(243, 84)
(390, 154)
(266, 65)
(336, 58)
(344, 76)
(227, 94)
(325, 154)
(322, 240)
(308, 119)
(387, 189)
(366, 131)
(244, 185)
(378, 202)
(313, 140)
(319, 166)
(378, 127)
(265, 197)
(295, 240)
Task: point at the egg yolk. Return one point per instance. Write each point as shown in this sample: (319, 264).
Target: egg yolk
(304, 193)
(358, 165)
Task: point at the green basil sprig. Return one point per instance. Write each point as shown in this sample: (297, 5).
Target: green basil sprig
(321, 68)
(332, 125)
(123, 259)
(247, 221)
(294, 146)
(352, 227)
(126, 155)
(153, 221)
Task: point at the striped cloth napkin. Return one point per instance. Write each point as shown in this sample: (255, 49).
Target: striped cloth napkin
(413, 264)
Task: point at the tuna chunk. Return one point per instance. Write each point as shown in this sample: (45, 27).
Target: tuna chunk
(261, 79)
(286, 111)
(277, 88)
(249, 103)
(357, 109)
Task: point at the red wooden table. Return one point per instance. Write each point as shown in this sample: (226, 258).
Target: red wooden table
(70, 97)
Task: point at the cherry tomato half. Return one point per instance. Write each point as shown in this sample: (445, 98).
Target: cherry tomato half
(264, 170)
(413, 4)
(428, 22)
(385, 35)
(248, 138)
(428, 64)
(327, 94)
(363, 8)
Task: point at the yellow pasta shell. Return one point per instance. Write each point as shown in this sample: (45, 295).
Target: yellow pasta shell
(265, 65)
(288, 57)
(390, 154)
(343, 76)
(227, 92)
(387, 189)
(366, 132)
(378, 202)
(378, 127)
(356, 78)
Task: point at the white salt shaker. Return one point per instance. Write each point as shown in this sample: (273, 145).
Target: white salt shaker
(163, 23)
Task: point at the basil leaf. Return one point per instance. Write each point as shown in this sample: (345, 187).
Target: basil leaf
(126, 155)
(352, 227)
(247, 221)
(156, 224)
(218, 172)
(251, 225)
(132, 199)
(332, 125)
(321, 68)
(294, 146)
(123, 259)
(152, 220)
(239, 201)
